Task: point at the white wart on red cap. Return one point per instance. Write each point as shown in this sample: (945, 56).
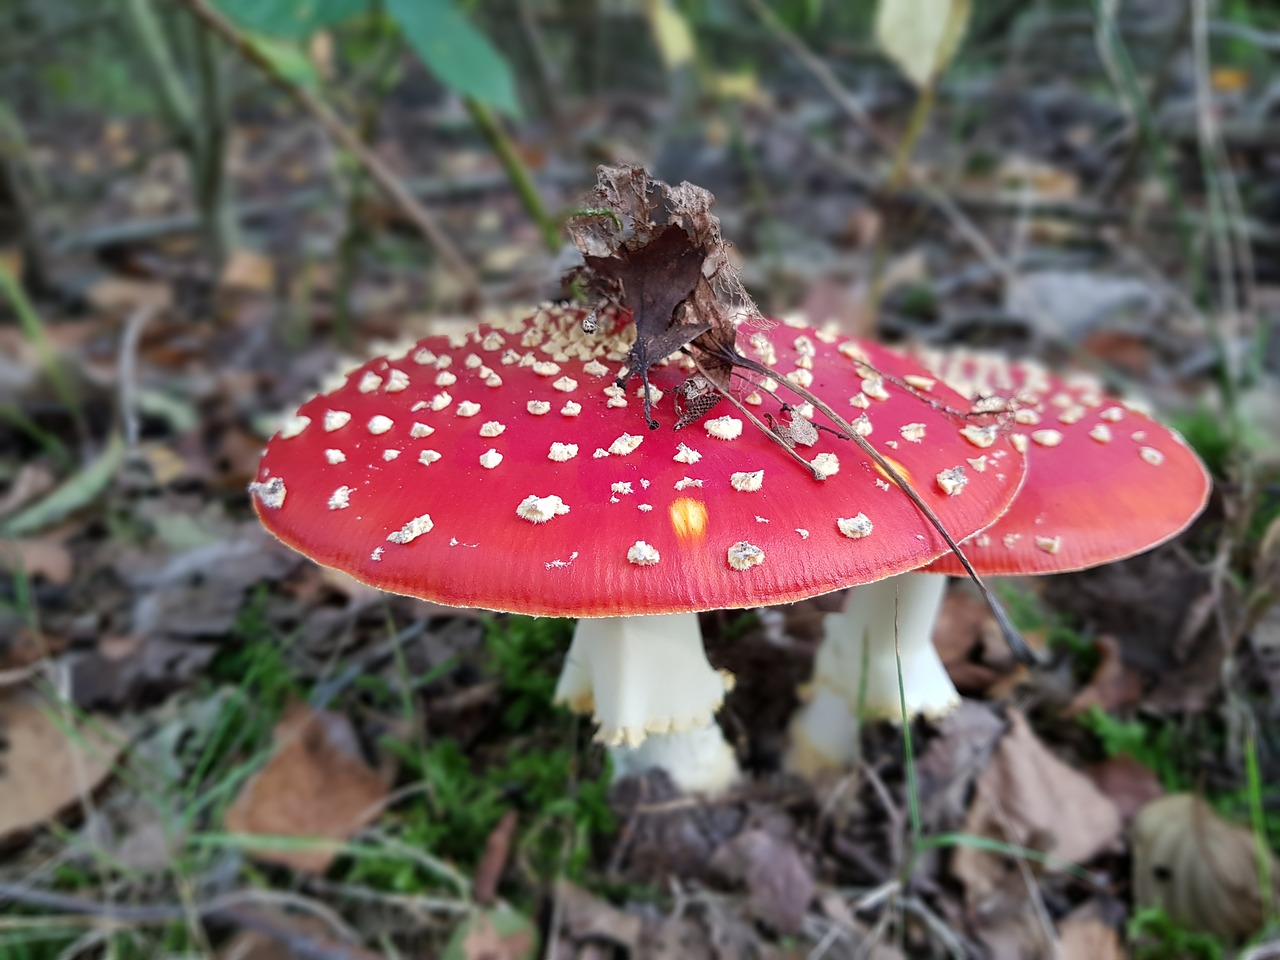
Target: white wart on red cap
(506, 470)
(1104, 480)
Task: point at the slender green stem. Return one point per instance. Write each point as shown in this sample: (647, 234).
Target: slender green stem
(496, 136)
(1262, 851)
(35, 332)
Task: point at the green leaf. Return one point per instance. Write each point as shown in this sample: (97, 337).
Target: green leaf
(288, 59)
(289, 19)
(458, 54)
(921, 36)
(79, 490)
(495, 932)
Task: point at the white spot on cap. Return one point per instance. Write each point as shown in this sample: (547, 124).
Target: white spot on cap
(493, 380)
(545, 368)
(625, 444)
(293, 426)
(390, 454)
(622, 486)
(560, 452)
(1114, 414)
(753, 398)
(565, 384)
(271, 492)
(1046, 438)
(468, 409)
(379, 424)
(335, 419)
(571, 409)
(412, 530)
(952, 482)
(1151, 455)
(913, 432)
(860, 401)
(492, 340)
(428, 457)
(686, 454)
(800, 377)
(978, 463)
(538, 407)
(743, 555)
(424, 357)
(446, 379)
(654, 393)
(1026, 416)
(1101, 432)
(377, 553)
(333, 455)
(1073, 414)
(340, 499)
(747, 482)
(874, 388)
(724, 428)
(420, 430)
(981, 437)
(440, 401)
(856, 527)
(369, 382)
(490, 458)
(1049, 544)
(804, 534)
(473, 361)
(600, 452)
(1138, 436)
(862, 426)
(920, 383)
(492, 428)
(595, 368)
(643, 554)
(684, 483)
(537, 509)
(1019, 441)
(397, 380)
(825, 465)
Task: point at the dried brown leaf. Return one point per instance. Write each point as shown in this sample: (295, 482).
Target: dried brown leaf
(47, 761)
(1028, 797)
(1199, 869)
(779, 883)
(316, 784)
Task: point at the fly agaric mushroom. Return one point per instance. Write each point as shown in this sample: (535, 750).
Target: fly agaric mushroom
(1104, 481)
(506, 469)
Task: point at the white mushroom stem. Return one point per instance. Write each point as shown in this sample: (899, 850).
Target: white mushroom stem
(855, 673)
(647, 683)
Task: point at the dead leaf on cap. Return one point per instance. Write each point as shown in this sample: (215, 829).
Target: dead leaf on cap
(496, 934)
(1199, 869)
(46, 766)
(779, 883)
(1028, 797)
(315, 785)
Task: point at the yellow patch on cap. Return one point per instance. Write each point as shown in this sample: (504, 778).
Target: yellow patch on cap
(688, 518)
(902, 471)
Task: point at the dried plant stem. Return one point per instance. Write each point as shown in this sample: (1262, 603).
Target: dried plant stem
(492, 130)
(394, 188)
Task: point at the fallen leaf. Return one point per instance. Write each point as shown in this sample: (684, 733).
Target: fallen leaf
(316, 785)
(584, 916)
(1113, 686)
(779, 883)
(1130, 784)
(123, 295)
(1199, 869)
(1083, 935)
(1028, 797)
(44, 766)
(495, 934)
(952, 760)
(248, 271)
(921, 36)
(45, 557)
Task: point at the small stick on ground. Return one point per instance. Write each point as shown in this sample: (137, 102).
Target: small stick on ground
(497, 849)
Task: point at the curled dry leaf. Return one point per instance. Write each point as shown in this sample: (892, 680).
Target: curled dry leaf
(657, 249)
(1027, 796)
(47, 761)
(1199, 869)
(316, 785)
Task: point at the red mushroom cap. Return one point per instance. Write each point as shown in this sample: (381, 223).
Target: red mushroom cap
(1104, 481)
(505, 470)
